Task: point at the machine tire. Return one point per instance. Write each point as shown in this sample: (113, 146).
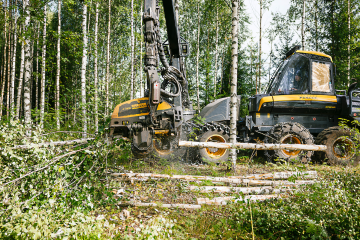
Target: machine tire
(293, 133)
(214, 155)
(333, 138)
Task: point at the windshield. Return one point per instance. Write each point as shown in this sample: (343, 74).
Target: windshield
(293, 77)
(321, 77)
(275, 76)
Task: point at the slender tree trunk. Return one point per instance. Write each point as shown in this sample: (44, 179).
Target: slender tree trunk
(43, 66)
(261, 15)
(303, 27)
(96, 69)
(233, 103)
(197, 61)
(2, 90)
(37, 70)
(57, 100)
(27, 76)
(132, 52)
(108, 63)
(83, 72)
(316, 26)
(21, 77)
(12, 87)
(141, 53)
(349, 57)
(10, 53)
(216, 48)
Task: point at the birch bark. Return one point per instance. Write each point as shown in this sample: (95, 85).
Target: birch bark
(5, 61)
(43, 66)
(108, 63)
(132, 52)
(83, 71)
(57, 100)
(9, 65)
(96, 69)
(303, 27)
(349, 39)
(261, 9)
(37, 69)
(197, 61)
(141, 49)
(233, 85)
(27, 76)
(21, 78)
(216, 48)
(12, 87)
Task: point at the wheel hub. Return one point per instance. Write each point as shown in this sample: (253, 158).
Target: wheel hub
(343, 148)
(216, 152)
(290, 139)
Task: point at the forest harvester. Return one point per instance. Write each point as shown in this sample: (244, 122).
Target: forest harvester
(300, 106)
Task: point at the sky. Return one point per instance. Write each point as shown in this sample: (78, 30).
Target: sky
(253, 10)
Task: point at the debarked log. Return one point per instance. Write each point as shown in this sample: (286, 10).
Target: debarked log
(256, 146)
(225, 200)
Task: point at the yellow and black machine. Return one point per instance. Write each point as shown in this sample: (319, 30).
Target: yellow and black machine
(300, 106)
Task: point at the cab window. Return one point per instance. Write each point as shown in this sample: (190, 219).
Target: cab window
(295, 77)
(321, 77)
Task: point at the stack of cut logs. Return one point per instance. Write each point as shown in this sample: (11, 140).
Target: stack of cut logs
(257, 187)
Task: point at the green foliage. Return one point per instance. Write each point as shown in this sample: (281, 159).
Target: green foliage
(50, 192)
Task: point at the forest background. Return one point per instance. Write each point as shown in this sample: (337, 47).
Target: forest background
(64, 66)
(71, 63)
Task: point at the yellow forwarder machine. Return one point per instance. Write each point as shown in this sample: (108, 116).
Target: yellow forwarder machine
(300, 105)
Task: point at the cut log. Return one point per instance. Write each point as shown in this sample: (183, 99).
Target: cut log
(48, 144)
(257, 146)
(225, 200)
(140, 204)
(245, 190)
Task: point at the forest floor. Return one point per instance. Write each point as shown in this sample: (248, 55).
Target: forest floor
(298, 216)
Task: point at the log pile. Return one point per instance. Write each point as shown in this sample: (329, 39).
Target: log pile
(256, 187)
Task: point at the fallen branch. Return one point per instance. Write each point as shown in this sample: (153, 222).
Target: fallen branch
(254, 146)
(225, 200)
(48, 144)
(54, 160)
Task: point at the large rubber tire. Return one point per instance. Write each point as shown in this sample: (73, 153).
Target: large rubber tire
(289, 133)
(341, 147)
(215, 155)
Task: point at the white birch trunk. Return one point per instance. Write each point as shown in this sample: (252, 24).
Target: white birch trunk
(57, 94)
(303, 27)
(21, 77)
(233, 101)
(261, 8)
(28, 62)
(349, 58)
(5, 62)
(197, 62)
(108, 64)
(12, 87)
(9, 65)
(96, 69)
(83, 71)
(43, 65)
(37, 70)
(132, 52)
(216, 48)
(141, 53)
(316, 26)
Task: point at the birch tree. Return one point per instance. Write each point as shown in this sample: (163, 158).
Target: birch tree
(12, 87)
(57, 95)
(197, 60)
(141, 53)
(132, 52)
(9, 64)
(96, 68)
(234, 60)
(43, 66)
(5, 62)
(27, 76)
(108, 63)
(216, 47)
(37, 68)
(21, 78)
(83, 70)
(303, 27)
